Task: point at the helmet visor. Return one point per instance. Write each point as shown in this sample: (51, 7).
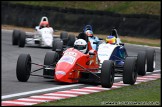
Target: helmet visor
(113, 40)
(80, 47)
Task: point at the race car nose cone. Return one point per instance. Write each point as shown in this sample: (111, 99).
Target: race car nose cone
(60, 75)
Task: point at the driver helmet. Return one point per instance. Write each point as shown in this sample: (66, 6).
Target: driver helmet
(44, 24)
(111, 39)
(81, 45)
(89, 33)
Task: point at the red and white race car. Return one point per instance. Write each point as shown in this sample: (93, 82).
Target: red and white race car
(72, 66)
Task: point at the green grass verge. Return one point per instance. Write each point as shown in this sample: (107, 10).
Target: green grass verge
(123, 7)
(147, 93)
(141, 43)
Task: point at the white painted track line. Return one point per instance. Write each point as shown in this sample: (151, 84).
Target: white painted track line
(38, 91)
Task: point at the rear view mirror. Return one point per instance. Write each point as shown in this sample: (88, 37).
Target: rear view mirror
(58, 50)
(121, 44)
(100, 39)
(91, 53)
(95, 42)
(36, 28)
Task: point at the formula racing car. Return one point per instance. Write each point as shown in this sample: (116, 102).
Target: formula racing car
(42, 37)
(74, 66)
(117, 54)
(96, 41)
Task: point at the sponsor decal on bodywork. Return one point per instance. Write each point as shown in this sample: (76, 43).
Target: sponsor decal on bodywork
(60, 73)
(71, 54)
(68, 59)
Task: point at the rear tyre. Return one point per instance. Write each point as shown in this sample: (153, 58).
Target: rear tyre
(141, 63)
(130, 72)
(23, 68)
(15, 37)
(107, 74)
(50, 60)
(22, 38)
(58, 47)
(71, 40)
(150, 60)
(57, 44)
(64, 37)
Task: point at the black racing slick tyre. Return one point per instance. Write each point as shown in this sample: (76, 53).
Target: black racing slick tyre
(141, 63)
(151, 56)
(64, 37)
(130, 70)
(15, 37)
(54, 43)
(22, 39)
(107, 74)
(23, 68)
(71, 40)
(50, 60)
(57, 44)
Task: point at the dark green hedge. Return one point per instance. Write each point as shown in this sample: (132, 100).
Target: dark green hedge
(137, 25)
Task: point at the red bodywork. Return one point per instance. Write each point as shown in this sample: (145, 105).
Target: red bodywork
(73, 62)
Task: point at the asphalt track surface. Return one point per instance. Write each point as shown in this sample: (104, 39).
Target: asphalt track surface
(10, 53)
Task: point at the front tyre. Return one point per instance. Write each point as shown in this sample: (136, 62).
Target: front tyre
(23, 68)
(107, 74)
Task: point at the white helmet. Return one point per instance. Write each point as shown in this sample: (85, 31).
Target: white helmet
(81, 45)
